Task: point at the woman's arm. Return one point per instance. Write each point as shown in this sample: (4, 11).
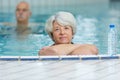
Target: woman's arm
(86, 49)
(61, 49)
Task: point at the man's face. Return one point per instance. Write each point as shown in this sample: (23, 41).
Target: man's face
(22, 12)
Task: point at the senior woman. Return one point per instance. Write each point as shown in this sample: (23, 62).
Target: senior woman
(61, 28)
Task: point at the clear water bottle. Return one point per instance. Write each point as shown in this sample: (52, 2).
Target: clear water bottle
(112, 40)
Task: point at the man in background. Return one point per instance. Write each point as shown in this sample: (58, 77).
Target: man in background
(23, 14)
(22, 27)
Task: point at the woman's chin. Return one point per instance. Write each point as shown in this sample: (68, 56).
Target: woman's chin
(64, 42)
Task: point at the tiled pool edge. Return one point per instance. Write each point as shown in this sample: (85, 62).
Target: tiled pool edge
(53, 58)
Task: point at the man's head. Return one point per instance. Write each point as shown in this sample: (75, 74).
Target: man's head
(23, 12)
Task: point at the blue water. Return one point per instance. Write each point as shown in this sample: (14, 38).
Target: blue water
(93, 19)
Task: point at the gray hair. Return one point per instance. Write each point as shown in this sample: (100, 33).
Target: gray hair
(63, 18)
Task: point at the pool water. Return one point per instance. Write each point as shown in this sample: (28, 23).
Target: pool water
(93, 19)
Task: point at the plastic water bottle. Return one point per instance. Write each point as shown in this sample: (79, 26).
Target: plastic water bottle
(112, 40)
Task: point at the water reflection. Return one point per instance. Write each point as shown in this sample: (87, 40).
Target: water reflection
(86, 30)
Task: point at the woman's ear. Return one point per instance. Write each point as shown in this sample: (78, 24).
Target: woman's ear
(52, 36)
(72, 35)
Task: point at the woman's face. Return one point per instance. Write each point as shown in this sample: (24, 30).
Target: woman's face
(62, 34)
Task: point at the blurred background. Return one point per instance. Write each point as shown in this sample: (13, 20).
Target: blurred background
(93, 19)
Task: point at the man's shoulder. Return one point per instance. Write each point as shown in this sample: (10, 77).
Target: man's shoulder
(8, 24)
(36, 27)
(6, 27)
(33, 24)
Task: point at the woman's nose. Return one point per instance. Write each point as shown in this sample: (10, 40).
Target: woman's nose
(62, 31)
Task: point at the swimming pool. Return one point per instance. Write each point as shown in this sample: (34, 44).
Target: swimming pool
(93, 18)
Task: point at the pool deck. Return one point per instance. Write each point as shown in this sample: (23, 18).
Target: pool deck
(102, 67)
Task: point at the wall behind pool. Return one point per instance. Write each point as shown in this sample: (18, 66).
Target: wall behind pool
(45, 7)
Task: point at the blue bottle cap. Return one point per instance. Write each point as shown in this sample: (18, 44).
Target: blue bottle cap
(112, 26)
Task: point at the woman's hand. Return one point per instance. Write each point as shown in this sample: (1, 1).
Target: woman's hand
(86, 49)
(61, 49)
(47, 51)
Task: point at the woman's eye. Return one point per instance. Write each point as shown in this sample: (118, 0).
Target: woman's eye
(66, 28)
(56, 29)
